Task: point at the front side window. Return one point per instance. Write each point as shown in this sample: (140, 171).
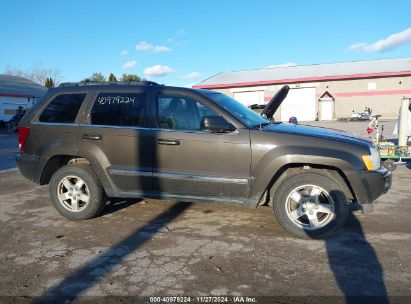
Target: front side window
(63, 108)
(119, 109)
(181, 113)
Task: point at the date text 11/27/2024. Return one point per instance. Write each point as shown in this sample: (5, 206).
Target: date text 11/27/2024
(203, 299)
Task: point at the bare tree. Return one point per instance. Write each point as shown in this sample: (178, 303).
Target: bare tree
(38, 73)
(14, 71)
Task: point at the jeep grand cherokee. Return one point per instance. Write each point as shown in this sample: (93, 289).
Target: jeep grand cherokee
(140, 139)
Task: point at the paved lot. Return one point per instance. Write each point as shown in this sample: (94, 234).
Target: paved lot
(357, 127)
(8, 150)
(174, 248)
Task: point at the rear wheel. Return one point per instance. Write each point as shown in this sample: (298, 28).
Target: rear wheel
(310, 205)
(76, 192)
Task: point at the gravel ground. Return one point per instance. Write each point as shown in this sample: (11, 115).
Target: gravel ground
(165, 248)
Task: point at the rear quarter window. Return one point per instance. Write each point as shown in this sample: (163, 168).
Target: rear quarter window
(63, 108)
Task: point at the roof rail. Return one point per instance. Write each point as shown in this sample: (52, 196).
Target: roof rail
(87, 82)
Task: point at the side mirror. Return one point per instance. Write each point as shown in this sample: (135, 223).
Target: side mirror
(215, 124)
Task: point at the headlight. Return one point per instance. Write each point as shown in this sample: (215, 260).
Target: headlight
(372, 161)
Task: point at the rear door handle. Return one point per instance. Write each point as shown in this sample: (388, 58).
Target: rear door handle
(170, 142)
(91, 136)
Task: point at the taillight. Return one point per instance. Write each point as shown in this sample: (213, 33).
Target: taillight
(23, 134)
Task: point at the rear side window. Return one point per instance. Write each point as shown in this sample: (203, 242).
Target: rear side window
(63, 108)
(119, 109)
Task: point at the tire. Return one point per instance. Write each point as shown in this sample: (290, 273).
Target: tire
(299, 200)
(71, 198)
(389, 164)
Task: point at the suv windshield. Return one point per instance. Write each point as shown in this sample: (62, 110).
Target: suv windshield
(247, 116)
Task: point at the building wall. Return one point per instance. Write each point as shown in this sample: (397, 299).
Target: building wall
(8, 105)
(383, 95)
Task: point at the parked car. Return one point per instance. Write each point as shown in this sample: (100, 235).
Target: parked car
(140, 139)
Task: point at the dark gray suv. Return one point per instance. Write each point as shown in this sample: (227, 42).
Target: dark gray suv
(140, 139)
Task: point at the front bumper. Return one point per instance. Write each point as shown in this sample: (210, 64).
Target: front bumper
(369, 185)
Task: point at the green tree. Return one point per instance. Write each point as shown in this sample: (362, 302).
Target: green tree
(97, 77)
(49, 83)
(111, 77)
(130, 77)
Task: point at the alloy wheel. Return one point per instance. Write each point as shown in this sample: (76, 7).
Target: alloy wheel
(310, 207)
(73, 193)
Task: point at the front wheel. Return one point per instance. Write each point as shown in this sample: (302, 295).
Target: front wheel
(310, 205)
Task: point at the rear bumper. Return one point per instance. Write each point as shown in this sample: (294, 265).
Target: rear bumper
(369, 186)
(30, 166)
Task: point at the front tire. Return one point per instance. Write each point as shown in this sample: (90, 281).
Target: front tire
(76, 192)
(310, 205)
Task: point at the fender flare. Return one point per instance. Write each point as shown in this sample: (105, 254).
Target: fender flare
(279, 165)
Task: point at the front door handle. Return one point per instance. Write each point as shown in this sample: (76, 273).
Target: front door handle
(91, 136)
(170, 142)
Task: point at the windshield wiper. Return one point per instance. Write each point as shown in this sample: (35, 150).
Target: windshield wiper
(260, 125)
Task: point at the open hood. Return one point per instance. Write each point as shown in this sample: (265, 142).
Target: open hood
(275, 102)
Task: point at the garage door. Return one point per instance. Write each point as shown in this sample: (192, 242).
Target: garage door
(299, 103)
(250, 98)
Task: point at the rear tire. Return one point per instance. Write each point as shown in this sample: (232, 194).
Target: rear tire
(76, 192)
(310, 205)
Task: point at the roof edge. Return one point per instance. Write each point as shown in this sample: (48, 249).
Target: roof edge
(18, 95)
(314, 64)
(296, 80)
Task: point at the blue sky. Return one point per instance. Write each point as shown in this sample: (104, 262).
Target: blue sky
(180, 42)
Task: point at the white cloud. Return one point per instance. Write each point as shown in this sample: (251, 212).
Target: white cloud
(144, 46)
(161, 49)
(191, 75)
(176, 42)
(129, 64)
(391, 42)
(158, 70)
(282, 65)
(124, 53)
